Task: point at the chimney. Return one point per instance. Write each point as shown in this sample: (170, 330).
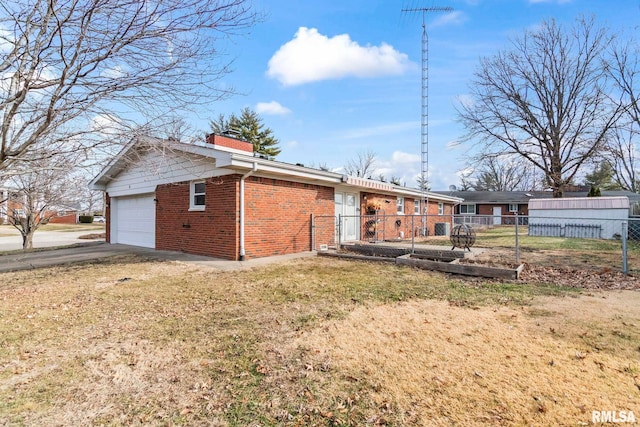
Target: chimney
(226, 143)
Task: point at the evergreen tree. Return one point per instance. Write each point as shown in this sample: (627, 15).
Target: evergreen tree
(594, 192)
(423, 184)
(248, 127)
(602, 177)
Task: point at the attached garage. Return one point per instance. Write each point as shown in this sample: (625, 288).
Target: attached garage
(133, 220)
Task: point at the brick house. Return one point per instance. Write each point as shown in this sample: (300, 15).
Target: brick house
(12, 204)
(219, 199)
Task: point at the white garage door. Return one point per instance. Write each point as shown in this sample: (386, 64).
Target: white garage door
(135, 220)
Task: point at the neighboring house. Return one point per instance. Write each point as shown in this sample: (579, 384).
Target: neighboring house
(5, 204)
(219, 199)
(496, 207)
(12, 205)
(63, 215)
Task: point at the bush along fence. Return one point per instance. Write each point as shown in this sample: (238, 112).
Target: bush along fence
(513, 232)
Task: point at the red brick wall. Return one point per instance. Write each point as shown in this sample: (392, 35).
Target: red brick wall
(70, 217)
(278, 215)
(523, 209)
(213, 232)
(388, 227)
(224, 141)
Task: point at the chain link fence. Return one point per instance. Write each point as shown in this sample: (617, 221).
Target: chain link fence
(604, 243)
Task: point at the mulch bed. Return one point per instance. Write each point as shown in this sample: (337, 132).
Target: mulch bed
(585, 279)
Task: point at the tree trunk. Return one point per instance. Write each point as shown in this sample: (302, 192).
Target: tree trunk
(27, 240)
(558, 192)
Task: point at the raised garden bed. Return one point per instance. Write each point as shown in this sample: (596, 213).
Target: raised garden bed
(457, 267)
(436, 260)
(393, 251)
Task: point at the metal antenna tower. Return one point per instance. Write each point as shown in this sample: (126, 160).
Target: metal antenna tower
(424, 122)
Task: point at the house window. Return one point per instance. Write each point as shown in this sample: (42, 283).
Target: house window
(440, 208)
(400, 205)
(197, 196)
(469, 209)
(416, 207)
(513, 207)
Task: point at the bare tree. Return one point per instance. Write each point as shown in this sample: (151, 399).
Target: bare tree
(623, 158)
(544, 100)
(466, 180)
(80, 195)
(504, 173)
(622, 154)
(69, 69)
(363, 165)
(38, 191)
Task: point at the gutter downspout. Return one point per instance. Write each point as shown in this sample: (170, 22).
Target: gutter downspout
(242, 178)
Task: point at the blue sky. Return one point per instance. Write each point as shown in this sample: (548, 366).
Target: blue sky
(337, 78)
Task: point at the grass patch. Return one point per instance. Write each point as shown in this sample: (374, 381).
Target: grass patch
(505, 237)
(312, 342)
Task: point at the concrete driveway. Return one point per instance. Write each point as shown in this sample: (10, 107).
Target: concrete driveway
(96, 251)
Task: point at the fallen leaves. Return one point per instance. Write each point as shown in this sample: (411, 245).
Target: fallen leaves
(585, 279)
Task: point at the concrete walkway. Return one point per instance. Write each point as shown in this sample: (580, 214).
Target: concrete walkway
(93, 251)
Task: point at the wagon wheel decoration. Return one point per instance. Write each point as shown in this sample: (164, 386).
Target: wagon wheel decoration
(462, 236)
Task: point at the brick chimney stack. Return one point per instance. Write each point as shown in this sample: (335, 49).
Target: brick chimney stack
(226, 143)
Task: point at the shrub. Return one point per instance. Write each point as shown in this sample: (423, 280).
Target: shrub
(85, 219)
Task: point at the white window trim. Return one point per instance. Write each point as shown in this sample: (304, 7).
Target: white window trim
(440, 208)
(416, 207)
(513, 204)
(400, 206)
(192, 194)
(467, 205)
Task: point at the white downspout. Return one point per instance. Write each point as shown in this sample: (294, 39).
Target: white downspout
(242, 178)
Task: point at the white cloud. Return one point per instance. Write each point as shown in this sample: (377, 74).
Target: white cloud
(6, 40)
(114, 72)
(402, 165)
(107, 124)
(273, 108)
(454, 18)
(400, 157)
(465, 101)
(311, 56)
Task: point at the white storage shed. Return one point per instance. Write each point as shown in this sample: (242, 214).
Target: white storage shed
(584, 217)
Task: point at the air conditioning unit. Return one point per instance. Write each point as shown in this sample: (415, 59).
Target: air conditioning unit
(442, 229)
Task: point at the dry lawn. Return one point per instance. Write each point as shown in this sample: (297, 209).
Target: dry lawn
(312, 342)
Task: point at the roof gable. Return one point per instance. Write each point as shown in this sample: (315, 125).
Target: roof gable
(147, 162)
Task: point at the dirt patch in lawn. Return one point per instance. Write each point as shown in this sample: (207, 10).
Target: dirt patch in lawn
(311, 342)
